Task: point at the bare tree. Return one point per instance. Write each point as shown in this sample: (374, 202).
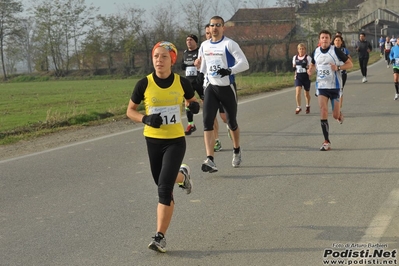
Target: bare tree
(110, 31)
(259, 3)
(288, 3)
(13, 51)
(9, 26)
(60, 26)
(28, 32)
(197, 15)
(216, 8)
(79, 19)
(326, 14)
(133, 23)
(165, 22)
(48, 39)
(233, 6)
(92, 50)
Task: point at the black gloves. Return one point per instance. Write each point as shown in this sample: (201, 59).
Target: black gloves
(194, 107)
(200, 78)
(223, 72)
(392, 61)
(154, 120)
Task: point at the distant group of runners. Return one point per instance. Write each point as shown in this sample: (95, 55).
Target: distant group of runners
(390, 50)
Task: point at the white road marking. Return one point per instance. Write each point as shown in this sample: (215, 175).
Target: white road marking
(382, 219)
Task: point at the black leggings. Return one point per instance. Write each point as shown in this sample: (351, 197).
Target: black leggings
(387, 57)
(344, 77)
(363, 65)
(200, 90)
(166, 156)
(226, 96)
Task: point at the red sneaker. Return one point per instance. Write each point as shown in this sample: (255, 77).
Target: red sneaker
(190, 129)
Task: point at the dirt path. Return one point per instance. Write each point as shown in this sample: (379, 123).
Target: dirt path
(61, 138)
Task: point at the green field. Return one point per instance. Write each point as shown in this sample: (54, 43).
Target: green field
(30, 109)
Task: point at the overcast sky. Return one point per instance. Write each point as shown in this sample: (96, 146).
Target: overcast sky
(110, 6)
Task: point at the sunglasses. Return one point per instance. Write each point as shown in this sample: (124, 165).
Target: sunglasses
(215, 25)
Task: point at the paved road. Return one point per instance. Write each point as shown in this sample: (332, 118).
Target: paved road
(93, 203)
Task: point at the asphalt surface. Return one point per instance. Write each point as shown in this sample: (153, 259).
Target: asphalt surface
(94, 202)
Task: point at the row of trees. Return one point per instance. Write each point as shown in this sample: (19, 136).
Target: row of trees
(61, 35)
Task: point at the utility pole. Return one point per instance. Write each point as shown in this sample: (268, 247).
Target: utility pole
(375, 31)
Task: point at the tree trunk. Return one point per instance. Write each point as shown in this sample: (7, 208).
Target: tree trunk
(2, 60)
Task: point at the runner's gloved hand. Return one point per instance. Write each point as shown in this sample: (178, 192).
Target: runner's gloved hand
(154, 120)
(200, 78)
(223, 72)
(194, 107)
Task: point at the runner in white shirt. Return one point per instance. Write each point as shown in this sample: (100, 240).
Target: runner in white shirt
(197, 63)
(221, 59)
(301, 62)
(328, 61)
(393, 40)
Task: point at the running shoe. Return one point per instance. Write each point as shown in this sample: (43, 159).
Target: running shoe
(229, 132)
(387, 66)
(297, 110)
(158, 243)
(326, 146)
(396, 96)
(364, 79)
(236, 160)
(187, 184)
(209, 166)
(190, 129)
(341, 118)
(218, 146)
(307, 109)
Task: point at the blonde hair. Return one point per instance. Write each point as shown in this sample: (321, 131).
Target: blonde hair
(301, 45)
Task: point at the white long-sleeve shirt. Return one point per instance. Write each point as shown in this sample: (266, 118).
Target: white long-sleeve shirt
(225, 53)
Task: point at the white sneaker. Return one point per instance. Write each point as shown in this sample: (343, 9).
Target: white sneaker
(326, 146)
(158, 243)
(187, 184)
(236, 159)
(387, 66)
(364, 79)
(396, 96)
(209, 166)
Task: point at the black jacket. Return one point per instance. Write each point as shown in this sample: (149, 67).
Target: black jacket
(362, 47)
